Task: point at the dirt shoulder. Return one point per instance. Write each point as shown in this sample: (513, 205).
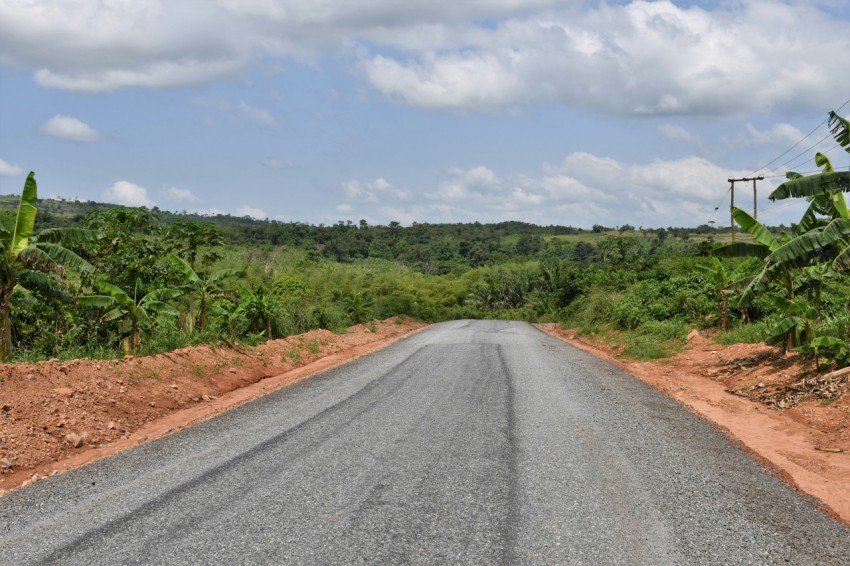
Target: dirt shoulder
(58, 415)
(807, 443)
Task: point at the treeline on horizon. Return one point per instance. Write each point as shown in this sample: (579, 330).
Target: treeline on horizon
(436, 248)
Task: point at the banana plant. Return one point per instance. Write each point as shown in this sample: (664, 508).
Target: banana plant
(131, 312)
(201, 289)
(33, 260)
(764, 244)
(828, 181)
(824, 231)
(797, 325)
(260, 308)
(722, 280)
(832, 348)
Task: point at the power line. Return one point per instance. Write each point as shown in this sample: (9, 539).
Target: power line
(777, 175)
(717, 208)
(805, 151)
(776, 209)
(787, 151)
(825, 151)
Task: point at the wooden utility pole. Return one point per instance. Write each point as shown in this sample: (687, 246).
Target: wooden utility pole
(755, 199)
(731, 207)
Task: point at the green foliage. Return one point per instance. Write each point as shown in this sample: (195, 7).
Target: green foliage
(833, 349)
(652, 340)
(32, 263)
(650, 285)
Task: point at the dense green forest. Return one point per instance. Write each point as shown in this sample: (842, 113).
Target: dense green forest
(82, 279)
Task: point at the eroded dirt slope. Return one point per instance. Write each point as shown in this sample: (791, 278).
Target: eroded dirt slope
(56, 415)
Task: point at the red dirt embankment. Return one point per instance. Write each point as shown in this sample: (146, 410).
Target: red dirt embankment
(58, 415)
(807, 443)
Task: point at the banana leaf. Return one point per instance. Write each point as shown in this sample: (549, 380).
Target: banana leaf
(25, 220)
(184, 268)
(801, 249)
(840, 205)
(823, 161)
(44, 285)
(842, 260)
(758, 230)
(68, 235)
(742, 249)
(813, 185)
(95, 301)
(836, 230)
(115, 292)
(225, 273)
(840, 129)
(783, 329)
(55, 253)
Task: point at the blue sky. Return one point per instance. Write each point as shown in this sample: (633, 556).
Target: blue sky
(546, 111)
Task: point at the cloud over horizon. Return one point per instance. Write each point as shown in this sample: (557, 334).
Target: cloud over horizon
(581, 190)
(127, 194)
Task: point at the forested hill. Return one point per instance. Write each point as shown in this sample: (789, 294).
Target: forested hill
(430, 248)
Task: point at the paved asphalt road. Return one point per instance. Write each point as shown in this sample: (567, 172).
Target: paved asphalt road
(468, 443)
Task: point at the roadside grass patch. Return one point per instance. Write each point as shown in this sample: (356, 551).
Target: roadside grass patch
(751, 333)
(652, 340)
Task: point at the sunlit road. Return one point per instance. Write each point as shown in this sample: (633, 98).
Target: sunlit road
(468, 443)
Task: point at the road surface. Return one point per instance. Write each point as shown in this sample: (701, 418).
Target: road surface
(469, 443)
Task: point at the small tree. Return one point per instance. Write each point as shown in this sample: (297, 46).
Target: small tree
(187, 239)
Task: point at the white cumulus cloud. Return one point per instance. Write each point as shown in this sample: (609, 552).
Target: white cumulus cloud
(635, 58)
(257, 213)
(375, 191)
(9, 170)
(175, 194)
(127, 194)
(782, 134)
(624, 58)
(69, 128)
(581, 190)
